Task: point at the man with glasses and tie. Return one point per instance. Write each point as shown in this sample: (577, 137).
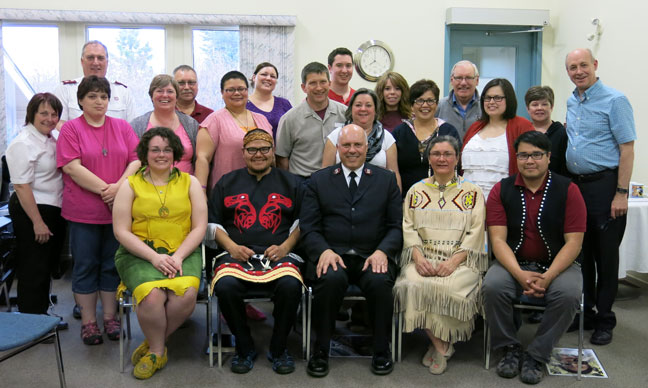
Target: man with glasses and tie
(536, 222)
(186, 102)
(351, 223)
(461, 107)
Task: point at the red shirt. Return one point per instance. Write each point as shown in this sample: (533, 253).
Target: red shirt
(533, 249)
(336, 97)
(200, 112)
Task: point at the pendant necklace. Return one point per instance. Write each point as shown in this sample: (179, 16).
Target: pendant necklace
(163, 211)
(246, 128)
(442, 188)
(104, 150)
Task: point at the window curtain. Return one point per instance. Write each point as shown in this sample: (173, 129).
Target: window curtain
(274, 44)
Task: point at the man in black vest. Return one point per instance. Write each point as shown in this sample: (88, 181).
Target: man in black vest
(351, 221)
(536, 221)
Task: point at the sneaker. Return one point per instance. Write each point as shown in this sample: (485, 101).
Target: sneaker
(149, 364)
(253, 313)
(509, 365)
(283, 364)
(76, 312)
(140, 352)
(532, 370)
(90, 334)
(112, 328)
(243, 363)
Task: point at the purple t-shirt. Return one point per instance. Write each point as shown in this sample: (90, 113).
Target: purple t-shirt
(281, 106)
(80, 140)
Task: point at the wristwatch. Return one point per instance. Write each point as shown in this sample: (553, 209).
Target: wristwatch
(621, 190)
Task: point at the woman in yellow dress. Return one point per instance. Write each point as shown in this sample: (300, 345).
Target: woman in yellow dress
(443, 255)
(159, 218)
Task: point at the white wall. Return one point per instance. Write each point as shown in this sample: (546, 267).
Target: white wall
(415, 30)
(619, 52)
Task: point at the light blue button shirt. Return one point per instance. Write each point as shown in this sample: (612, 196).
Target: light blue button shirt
(460, 108)
(597, 122)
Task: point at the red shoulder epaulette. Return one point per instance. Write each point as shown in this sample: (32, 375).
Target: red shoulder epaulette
(120, 84)
(69, 82)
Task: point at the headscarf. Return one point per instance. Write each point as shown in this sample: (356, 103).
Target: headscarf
(257, 134)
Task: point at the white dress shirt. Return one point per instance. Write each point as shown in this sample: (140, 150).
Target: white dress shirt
(31, 158)
(347, 171)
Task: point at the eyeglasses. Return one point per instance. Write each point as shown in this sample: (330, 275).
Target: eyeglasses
(533, 155)
(429, 101)
(240, 90)
(494, 98)
(184, 83)
(157, 151)
(463, 78)
(253, 150)
(91, 58)
(447, 155)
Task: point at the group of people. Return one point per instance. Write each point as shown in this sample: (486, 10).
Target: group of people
(391, 194)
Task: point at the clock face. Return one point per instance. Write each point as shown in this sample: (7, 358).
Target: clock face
(375, 61)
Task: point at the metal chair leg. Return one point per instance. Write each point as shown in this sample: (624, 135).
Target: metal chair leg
(129, 306)
(581, 324)
(394, 326)
(487, 345)
(303, 310)
(218, 334)
(400, 336)
(121, 335)
(59, 359)
(210, 333)
(309, 322)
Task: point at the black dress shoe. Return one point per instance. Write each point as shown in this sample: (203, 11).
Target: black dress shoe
(601, 337)
(382, 364)
(318, 364)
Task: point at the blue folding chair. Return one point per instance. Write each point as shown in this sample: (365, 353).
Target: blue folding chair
(23, 331)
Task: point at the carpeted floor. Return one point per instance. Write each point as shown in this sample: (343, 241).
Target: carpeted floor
(625, 360)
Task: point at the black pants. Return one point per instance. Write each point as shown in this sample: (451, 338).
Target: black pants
(286, 293)
(329, 292)
(600, 248)
(35, 262)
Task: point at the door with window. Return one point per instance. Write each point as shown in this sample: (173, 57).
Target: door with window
(511, 52)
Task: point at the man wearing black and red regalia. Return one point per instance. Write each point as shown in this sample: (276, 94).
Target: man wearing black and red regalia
(253, 216)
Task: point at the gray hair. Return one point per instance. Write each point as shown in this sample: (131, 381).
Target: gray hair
(93, 42)
(442, 139)
(586, 49)
(465, 62)
(183, 68)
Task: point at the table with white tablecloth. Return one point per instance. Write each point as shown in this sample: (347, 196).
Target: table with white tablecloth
(633, 252)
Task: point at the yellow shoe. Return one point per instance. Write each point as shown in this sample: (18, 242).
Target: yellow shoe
(149, 364)
(140, 352)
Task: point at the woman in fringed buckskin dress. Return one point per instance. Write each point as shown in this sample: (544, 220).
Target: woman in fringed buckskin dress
(443, 255)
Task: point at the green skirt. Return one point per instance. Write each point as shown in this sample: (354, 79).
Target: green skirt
(135, 271)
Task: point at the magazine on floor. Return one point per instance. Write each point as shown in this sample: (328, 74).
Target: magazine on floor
(564, 362)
